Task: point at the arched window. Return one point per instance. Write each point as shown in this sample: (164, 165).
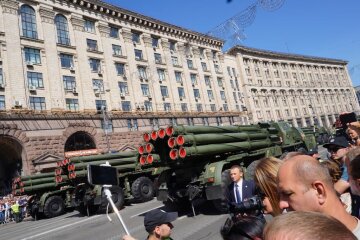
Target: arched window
(62, 30)
(28, 22)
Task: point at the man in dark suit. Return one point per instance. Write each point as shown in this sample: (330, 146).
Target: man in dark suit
(240, 189)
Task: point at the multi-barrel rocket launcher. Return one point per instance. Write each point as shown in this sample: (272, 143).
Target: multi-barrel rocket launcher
(195, 159)
(28, 185)
(135, 182)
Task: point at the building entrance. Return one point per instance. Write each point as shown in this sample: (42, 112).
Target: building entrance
(11, 153)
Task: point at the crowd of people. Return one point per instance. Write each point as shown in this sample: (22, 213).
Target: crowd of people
(308, 197)
(12, 208)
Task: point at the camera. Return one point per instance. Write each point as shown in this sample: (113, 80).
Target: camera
(253, 205)
(102, 175)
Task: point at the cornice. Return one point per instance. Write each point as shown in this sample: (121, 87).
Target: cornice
(11, 7)
(151, 23)
(47, 15)
(271, 54)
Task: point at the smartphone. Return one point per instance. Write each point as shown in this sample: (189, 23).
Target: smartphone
(102, 175)
(347, 118)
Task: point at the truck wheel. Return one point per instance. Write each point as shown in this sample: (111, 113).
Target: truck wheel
(117, 196)
(88, 210)
(142, 189)
(54, 206)
(221, 204)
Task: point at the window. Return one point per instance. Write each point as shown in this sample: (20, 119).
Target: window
(205, 121)
(207, 81)
(148, 106)
(276, 73)
(95, 65)
(132, 124)
(145, 90)
(120, 69)
(235, 96)
(2, 102)
(98, 84)
(219, 121)
(114, 32)
(220, 82)
(204, 67)
(190, 121)
(35, 79)
(89, 26)
(222, 95)
(217, 68)
(210, 94)
(1, 76)
(181, 92)
(138, 54)
(234, 72)
(196, 93)
(184, 107)
(167, 107)
(193, 78)
(62, 30)
(202, 52)
(247, 71)
(178, 77)
(172, 45)
(155, 42)
(100, 105)
(116, 50)
(267, 73)
(69, 83)
(225, 107)
(123, 87)
(257, 72)
(157, 57)
(37, 103)
(28, 22)
(161, 74)
(32, 56)
(164, 91)
(175, 61)
(136, 37)
(190, 64)
(199, 107)
(66, 60)
(229, 71)
(91, 45)
(142, 72)
(72, 104)
(213, 107)
(126, 106)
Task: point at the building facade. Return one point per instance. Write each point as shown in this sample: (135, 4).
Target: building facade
(79, 75)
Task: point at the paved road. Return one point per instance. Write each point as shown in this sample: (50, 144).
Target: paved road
(75, 227)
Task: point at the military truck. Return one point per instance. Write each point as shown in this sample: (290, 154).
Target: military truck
(195, 159)
(53, 194)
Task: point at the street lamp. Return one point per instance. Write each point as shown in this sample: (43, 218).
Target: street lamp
(100, 88)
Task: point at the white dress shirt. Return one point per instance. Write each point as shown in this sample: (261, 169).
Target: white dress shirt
(239, 183)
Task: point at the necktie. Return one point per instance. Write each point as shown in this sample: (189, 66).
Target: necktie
(238, 197)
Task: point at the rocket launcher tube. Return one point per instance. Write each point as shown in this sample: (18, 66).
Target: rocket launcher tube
(38, 181)
(104, 156)
(146, 137)
(152, 158)
(213, 138)
(113, 162)
(161, 133)
(154, 135)
(81, 172)
(176, 130)
(36, 176)
(149, 147)
(211, 149)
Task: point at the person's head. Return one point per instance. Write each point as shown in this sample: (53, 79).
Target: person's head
(352, 133)
(158, 223)
(288, 155)
(306, 226)
(265, 177)
(304, 185)
(333, 168)
(243, 228)
(236, 173)
(337, 147)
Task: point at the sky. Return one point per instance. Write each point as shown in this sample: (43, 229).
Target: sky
(322, 28)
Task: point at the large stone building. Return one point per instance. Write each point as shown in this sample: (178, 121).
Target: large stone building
(81, 75)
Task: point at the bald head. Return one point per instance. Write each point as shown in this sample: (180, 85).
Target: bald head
(307, 170)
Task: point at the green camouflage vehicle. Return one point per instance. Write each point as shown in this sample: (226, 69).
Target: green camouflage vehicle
(194, 160)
